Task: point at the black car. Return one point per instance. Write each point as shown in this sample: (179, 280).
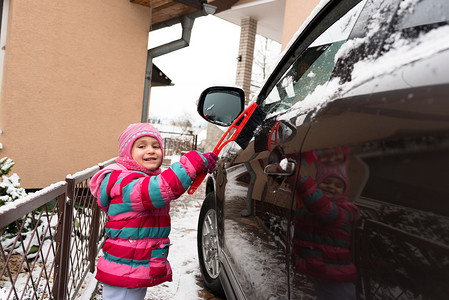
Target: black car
(361, 96)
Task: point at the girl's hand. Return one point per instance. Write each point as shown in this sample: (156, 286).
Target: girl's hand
(211, 158)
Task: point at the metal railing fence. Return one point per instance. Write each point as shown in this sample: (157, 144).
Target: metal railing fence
(50, 240)
(175, 142)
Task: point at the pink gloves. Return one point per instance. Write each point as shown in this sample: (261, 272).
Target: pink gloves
(211, 158)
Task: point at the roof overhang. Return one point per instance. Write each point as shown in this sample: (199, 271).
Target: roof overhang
(164, 11)
(269, 15)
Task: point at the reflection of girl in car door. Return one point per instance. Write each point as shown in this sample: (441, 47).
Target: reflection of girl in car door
(324, 219)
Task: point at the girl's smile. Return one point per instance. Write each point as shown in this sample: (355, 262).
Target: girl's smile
(332, 187)
(147, 152)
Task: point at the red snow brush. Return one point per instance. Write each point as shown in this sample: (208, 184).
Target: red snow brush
(238, 125)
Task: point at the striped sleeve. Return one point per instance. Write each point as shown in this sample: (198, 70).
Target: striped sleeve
(103, 198)
(194, 163)
(104, 192)
(309, 157)
(319, 205)
(158, 191)
(140, 192)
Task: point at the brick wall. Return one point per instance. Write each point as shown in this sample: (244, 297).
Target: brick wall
(246, 54)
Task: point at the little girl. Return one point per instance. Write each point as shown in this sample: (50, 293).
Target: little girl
(136, 196)
(324, 219)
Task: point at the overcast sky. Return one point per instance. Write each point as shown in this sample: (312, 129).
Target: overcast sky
(210, 59)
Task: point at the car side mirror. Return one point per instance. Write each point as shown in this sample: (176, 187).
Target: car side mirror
(221, 105)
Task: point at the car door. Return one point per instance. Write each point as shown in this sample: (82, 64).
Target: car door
(253, 258)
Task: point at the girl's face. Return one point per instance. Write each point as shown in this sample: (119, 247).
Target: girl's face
(147, 152)
(332, 187)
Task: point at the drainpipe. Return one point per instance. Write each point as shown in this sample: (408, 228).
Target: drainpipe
(187, 25)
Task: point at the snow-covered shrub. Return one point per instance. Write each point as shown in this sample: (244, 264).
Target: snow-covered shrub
(10, 188)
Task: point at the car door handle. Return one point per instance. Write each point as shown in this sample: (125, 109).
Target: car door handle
(284, 168)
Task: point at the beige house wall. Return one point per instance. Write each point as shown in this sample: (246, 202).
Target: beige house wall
(296, 12)
(72, 81)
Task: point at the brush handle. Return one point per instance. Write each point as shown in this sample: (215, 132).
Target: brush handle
(241, 120)
(196, 183)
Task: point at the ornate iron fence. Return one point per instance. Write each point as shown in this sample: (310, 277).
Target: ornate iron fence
(50, 240)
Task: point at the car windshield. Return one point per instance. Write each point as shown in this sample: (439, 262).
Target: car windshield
(314, 66)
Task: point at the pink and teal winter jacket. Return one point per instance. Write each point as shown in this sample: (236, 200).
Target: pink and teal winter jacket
(322, 234)
(138, 220)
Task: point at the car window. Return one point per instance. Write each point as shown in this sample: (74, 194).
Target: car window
(393, 177)
(313, 66)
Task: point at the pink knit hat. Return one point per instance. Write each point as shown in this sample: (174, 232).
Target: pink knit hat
(127, 139)
(340, 171)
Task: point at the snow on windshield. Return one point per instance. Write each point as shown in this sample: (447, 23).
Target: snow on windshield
(403, 58)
